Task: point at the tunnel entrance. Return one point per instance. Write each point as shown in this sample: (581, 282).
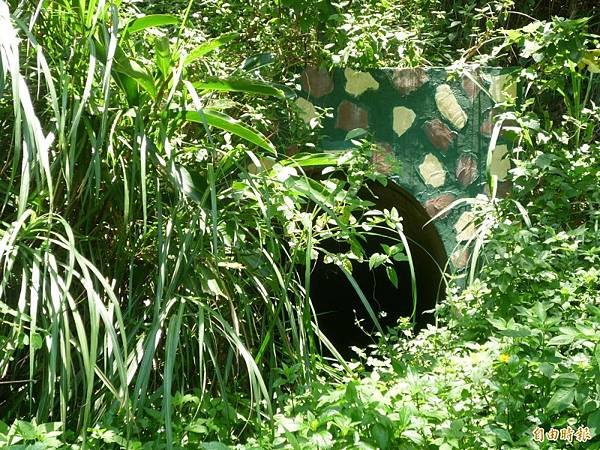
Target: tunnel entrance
(338, 306)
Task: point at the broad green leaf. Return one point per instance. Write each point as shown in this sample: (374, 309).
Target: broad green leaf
(228, 123)
(515, 332)
(591, 58)
(129, 87)
(26, 430)
(502, 434)
(513, 35)
(392, 276)
(182, 399)
(132, 69)
(414, 436)
(214, 446)
(163, 55)
(532, 27)
(289, 424)
(498, 323)
(351, 394)
(544, 160)
(594, 422)
(35, 341)
(586, 331)
(376, 260)
(356, 133)
(540, 311)
(547, 369)
(257, 61)
(183, 180)
(562, 339)
(239, 85)
(197, 427)
(530, 48)
(400, 256)
(308, 188)
(568, 379)
(154, 20)
(322, 439)
(570, 331)
(50, 428)
(562, 399)
(381, 435)
(209, 46)
(124, 65)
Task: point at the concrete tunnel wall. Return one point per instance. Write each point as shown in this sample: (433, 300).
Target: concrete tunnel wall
(432, 128)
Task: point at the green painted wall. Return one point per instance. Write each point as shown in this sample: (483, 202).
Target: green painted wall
(432, 128)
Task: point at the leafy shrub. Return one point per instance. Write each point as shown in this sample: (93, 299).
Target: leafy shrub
(150, 236)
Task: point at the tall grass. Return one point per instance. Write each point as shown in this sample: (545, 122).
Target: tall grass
(139, 257)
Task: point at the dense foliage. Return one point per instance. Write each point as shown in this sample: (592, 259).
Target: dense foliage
(156, 241)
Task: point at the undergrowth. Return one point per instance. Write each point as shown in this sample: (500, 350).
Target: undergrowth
(151, 230)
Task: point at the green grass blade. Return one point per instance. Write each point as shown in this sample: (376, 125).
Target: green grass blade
(239, 85)
(227, 123)
(151, 21)
(173, 331)
(209, 46)
(363, 299)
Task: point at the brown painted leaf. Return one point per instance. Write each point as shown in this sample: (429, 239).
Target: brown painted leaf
(406, 81)
(434, 205)
(351, 116)
(466, 170)
(316, 81)
(438, 133)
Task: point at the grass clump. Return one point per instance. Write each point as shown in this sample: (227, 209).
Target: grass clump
(152, 231)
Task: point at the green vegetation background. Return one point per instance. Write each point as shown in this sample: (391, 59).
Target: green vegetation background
(151, 228)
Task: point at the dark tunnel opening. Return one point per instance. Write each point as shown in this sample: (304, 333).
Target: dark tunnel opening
(338, 306)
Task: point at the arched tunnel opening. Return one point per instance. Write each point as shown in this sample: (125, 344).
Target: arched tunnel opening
(339, 308)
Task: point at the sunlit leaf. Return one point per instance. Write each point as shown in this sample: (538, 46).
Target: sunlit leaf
(227, 123)
(183, 181)
(154, 20)
(562, 399)
(240, 85)
(209, 46)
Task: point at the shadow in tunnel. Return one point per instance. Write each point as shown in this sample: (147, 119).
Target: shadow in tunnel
(338, 306)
